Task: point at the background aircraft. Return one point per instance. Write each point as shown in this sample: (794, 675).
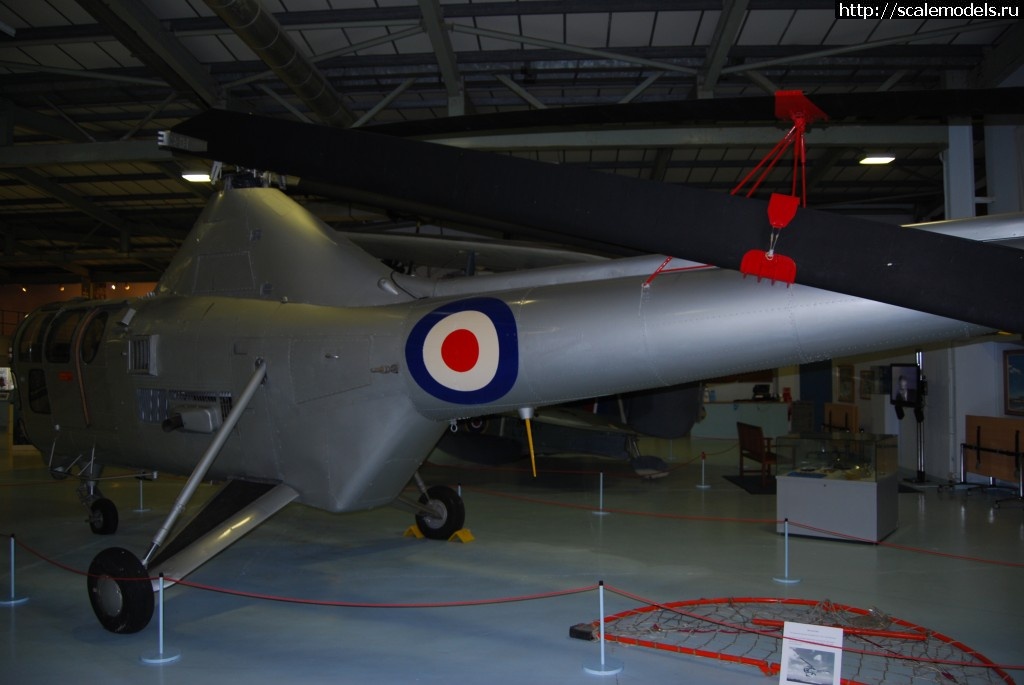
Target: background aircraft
(278, 357)
(574, 430)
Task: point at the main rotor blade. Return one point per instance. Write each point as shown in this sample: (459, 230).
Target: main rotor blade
(890, 107)
(943, 275)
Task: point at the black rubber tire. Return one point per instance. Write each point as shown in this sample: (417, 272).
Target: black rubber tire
(120, 592)
(449, 517)
(103, 517)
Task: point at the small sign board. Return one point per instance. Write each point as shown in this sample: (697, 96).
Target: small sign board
(811, 654)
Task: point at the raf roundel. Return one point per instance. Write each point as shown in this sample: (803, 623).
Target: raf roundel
(466, 352)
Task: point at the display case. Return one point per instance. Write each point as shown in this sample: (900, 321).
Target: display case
(838, 456)
(838, 485)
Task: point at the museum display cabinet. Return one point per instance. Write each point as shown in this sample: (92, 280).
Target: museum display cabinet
(838, 485)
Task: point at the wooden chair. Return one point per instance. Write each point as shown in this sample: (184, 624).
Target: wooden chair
(753, 445)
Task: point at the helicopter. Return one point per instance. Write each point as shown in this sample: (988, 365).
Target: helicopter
(279, 358)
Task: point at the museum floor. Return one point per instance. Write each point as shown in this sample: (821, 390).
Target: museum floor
(663, 540)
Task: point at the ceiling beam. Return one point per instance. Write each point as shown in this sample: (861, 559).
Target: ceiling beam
(726, 31)
(136, 256)
(140, 31)
(433, 24)
(40, 123)
(284, 103)
(520, 91)
(567, 47)
(83, 205)
(1002, 61)
(82, 153)
(766, 84)
(662, 159)
(387, 100)
(861, 47)
(331, 54)
(81, 74)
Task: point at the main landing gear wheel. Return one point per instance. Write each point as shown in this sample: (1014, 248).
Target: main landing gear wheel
(120, 591)
(448, 513)
(103, 517)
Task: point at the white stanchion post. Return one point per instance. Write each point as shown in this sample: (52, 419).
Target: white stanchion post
(14, 599)
(605, 666)
(161, 656)
(600, 496)
(785, 579)
(142, 507)
(703, 485)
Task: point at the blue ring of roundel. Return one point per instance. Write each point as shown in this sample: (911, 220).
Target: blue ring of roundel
(507, 371)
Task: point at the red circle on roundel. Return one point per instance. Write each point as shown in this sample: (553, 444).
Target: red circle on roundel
(460, 350)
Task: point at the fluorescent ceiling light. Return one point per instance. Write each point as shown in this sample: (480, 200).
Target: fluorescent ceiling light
(196, 176)
(877, 158)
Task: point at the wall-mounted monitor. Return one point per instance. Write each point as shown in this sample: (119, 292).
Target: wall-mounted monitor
(906, 389)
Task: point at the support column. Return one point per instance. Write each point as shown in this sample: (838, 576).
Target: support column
(939, 448)
(1004, 165)
(958, 170)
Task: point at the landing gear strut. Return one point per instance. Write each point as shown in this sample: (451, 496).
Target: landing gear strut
(103, 518)
(119, 583)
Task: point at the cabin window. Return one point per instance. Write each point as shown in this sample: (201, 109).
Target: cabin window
(58, 339)
(38, 397)
(30, 347)
(92, 337)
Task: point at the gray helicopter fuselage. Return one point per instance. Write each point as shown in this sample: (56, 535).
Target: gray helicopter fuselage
(362, 379)
(331, 419)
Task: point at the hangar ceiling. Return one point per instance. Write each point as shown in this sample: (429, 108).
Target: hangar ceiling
(86, 194)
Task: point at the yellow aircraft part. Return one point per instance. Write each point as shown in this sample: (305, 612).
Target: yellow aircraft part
(529, 441)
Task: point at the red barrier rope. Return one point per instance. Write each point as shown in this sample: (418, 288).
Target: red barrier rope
(907, 548)
(144, 475)
(627, 512)
(719, 519)
(376, 605)
(316, 602)
(506, 600)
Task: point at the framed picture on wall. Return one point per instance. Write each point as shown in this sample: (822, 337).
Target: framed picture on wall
(1013, 382)
(867, 384)
(846, 383)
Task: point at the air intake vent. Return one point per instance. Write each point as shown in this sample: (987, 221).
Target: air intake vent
(154, 405)
(201, 398)
(142, 355)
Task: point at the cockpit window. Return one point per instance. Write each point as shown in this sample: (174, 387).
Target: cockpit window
(92, 336)
(38, 397)
(58, 339)
(30, 347)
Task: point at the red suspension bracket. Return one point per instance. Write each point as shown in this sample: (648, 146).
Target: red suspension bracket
(794, 106)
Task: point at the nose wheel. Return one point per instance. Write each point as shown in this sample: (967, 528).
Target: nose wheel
(120, 591)
(448, 513)
(103, 517)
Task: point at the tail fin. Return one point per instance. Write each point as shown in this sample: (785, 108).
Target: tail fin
(257, 243)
